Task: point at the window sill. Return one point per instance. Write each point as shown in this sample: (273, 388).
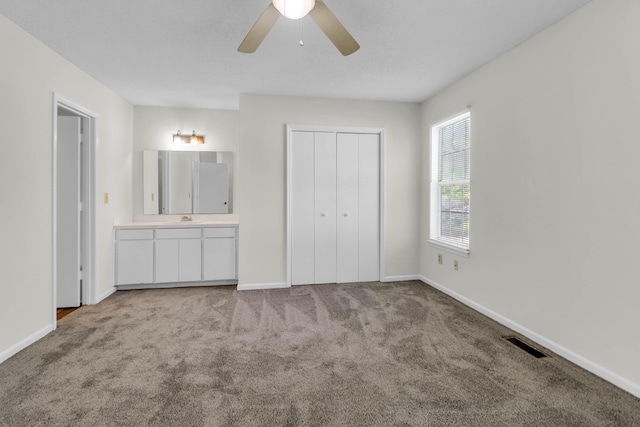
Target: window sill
(455, 249)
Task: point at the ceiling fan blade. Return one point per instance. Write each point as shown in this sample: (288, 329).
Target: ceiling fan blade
(336, 32)
(259, 30)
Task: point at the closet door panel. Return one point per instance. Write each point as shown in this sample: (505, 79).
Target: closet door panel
(347, 208)
(369, 208)
(302, 209)
(325, 207)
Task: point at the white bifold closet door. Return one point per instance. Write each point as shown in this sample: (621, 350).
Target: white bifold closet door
(335, 207)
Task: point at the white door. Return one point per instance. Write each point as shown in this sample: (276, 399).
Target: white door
(348, 207)
(68, 250)
(358, 229)
(334, 207)
(302, 205)
(369, 207)
(325, 208)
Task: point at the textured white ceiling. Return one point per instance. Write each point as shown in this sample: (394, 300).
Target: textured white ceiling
(182, 53)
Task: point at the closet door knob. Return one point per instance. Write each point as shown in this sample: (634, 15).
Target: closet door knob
(323, 214)
(346, 214)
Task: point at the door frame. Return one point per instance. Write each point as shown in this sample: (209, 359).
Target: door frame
(337, 129)
(89, 205)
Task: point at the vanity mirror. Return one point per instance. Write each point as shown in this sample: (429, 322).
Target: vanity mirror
(187, 182)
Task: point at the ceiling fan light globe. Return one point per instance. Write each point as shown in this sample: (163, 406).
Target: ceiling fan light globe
(294, 9)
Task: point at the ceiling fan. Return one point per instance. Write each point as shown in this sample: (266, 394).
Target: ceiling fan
(296, 9)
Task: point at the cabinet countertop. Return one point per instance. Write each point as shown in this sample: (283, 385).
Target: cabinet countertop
(177, 224)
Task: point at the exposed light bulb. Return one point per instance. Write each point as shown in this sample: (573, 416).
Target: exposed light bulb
(294, 9)
(194, 138)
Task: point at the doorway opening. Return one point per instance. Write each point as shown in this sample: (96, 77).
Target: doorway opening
(73, 199)
(63, 312)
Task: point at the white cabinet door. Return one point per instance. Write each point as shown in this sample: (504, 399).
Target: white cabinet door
(302, 209)
(135, 262)
(219, 253)
(167, 261)
(178, 255)
(348, 207)
(325, 207)
(219, 258)
(190, 256)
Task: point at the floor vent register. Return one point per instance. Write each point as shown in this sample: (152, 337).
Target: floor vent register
(526, 347)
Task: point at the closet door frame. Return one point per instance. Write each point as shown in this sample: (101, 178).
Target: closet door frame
(337, 129)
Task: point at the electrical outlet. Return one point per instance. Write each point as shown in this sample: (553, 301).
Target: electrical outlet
(455, 264)
(106, 198)
(439, 258)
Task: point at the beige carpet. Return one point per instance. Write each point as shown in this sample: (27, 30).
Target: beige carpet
(393, 354)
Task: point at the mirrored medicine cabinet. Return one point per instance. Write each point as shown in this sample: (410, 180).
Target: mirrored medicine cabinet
(187, 182)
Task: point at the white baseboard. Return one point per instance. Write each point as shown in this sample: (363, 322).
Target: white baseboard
(280, 285)
(259, 286)
(401, 278)
(105, 295)
(571, 356)
(13, 350)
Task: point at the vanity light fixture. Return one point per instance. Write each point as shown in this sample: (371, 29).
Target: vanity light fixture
(192, 139)
(177, 137)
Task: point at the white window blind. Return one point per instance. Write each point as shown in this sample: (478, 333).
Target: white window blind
(450, 182)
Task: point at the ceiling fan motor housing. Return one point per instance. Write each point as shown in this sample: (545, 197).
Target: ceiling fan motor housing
(294, 9)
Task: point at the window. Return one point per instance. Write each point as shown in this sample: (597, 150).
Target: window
(450, 183)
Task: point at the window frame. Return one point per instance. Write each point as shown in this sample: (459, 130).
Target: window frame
(435, 212)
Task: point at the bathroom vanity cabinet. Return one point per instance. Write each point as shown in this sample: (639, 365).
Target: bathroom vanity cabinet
(160, 256)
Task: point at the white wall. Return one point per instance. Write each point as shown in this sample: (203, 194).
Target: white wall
(31, 73)
(262, 192)
(555, 204)
(154, 127)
